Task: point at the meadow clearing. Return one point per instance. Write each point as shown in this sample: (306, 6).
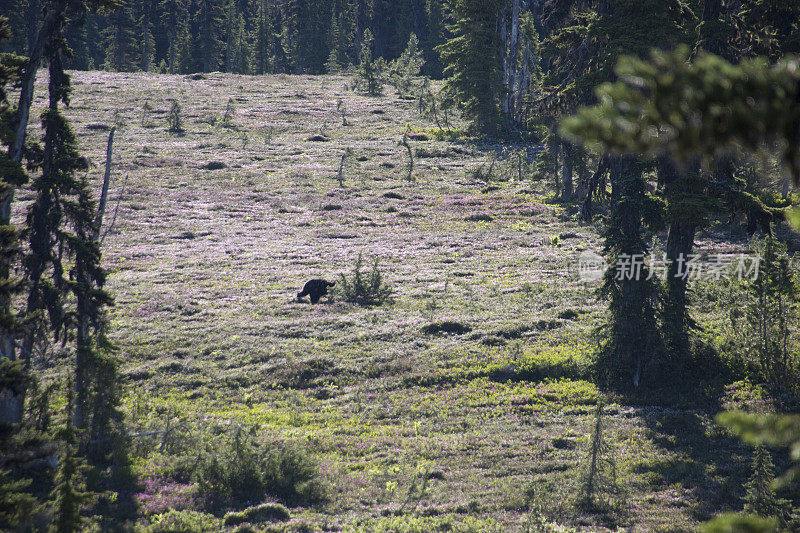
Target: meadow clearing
(464, 404)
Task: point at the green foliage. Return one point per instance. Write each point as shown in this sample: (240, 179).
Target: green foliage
(761, 499)
(405, 68)
(705, 107)
(471, 59)
(631, 335)
(182, 521)
(242, 471)
(365, 288)
(771, 430)
(740, 523)
(174, 120)
(16, 504)
(69, 493)
(370, 74)
(266, 512)
(770, 314)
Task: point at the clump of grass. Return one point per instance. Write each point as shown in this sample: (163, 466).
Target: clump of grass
(365, 288)
(266, 512)
(446, 326)
(174, 120)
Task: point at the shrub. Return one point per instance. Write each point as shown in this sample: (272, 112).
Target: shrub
(181, 521)
(365, 288)
(266, 512)
(242, 472)
(174, 120)
(230, 115)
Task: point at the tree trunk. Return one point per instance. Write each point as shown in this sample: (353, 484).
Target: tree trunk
(680, 243)
(11, 405)
(566, 172)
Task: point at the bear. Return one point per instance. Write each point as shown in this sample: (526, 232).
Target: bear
(316, 289)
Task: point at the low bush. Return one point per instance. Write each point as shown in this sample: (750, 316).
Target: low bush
(266, 512)
(242, 472)
(365, 288)
(181, 521)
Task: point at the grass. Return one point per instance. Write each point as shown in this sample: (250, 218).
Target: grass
(205, 261)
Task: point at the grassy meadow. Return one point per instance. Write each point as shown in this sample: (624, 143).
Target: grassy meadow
(464, 404)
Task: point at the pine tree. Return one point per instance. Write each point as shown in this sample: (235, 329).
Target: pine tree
(172, 12)
(369, 76)
(61, 222)
(334, 63)
(69, 493)
(13, 380)
(760, 498)
(771, 312)
(184, 50)
(262, 54)
(434, 38)
(147, 45)
(471, 59)
(632, 332)
(16, 504)
(207, 45)
(121, 43)
(405, 68)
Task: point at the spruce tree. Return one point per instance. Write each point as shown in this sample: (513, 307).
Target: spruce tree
(405, 68)
(263, 42)
(69, 493)
(123, 46)
(471, 59)
(12, 176)
(369, 76)
(760, 498)
(434, 38)
(61, 225)
(208, 43)
(631, 335)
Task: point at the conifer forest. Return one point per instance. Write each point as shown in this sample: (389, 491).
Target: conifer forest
(400, 266)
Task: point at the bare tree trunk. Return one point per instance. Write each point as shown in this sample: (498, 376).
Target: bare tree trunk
(101, 208)
(566, 172)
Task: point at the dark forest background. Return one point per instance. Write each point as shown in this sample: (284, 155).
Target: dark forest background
(239, 36)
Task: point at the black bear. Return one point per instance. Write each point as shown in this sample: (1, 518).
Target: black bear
(316, 289)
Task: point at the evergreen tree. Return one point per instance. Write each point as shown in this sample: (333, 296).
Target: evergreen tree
(434, 38)
(12, 380)
(147, 44)
(406, 67)
(122, 45)
(69, 493)
(16, 504)
(369, 76)
(61, 222)
(770, 313)
(632, 332)
(172, 13)
(335, 44)
(761, 498)
(184, 51)
(471, 59)
(207, 45)
(262, 54)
